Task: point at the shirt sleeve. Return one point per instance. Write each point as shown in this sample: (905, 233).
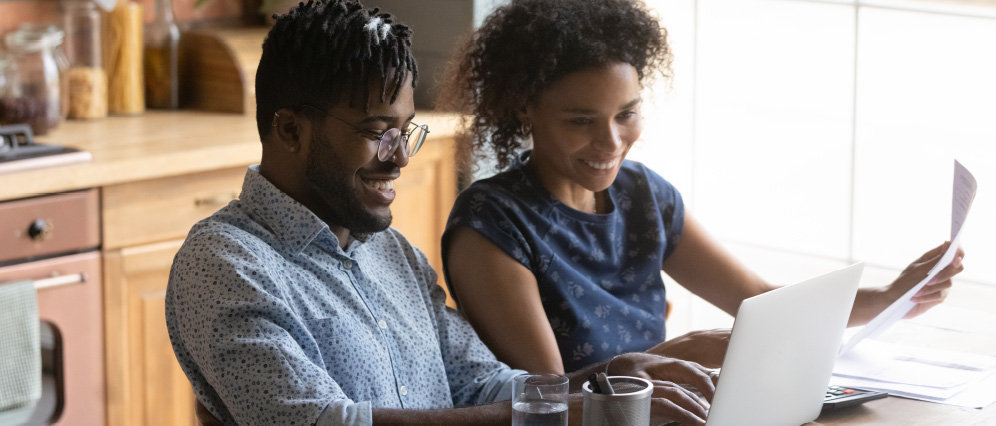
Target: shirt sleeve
(475, 376)
(671, 206)
(344, 412)
(494, 216)
(230, 326)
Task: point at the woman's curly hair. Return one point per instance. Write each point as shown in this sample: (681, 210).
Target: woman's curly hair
(523, 47)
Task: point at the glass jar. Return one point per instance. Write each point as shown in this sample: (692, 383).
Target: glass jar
(35, 92)
(86, 79)
(162, 45)
(4, 69)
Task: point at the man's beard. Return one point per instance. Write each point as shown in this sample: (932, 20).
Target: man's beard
(346, 209)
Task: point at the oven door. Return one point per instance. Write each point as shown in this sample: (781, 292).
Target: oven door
(70, 300)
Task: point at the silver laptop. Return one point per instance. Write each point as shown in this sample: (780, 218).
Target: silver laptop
(782, 351)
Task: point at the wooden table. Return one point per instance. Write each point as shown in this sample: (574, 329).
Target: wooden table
(908, 412)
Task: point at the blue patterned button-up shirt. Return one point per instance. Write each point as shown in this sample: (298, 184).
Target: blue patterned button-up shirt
(274, 323)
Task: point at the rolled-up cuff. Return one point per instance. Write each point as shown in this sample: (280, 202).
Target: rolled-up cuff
(343, 412)
(498, 386)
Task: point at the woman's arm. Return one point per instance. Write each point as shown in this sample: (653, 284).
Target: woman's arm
(501, 300)
(703, 267)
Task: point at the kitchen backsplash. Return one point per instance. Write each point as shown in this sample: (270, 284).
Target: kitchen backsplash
(211, 12)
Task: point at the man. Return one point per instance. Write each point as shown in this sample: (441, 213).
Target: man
(297, 304)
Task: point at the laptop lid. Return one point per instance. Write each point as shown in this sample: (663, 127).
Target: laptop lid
(782, 351)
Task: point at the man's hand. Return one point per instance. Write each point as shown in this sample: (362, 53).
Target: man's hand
(674, 403)
(675, 383)
(706, 347)
(670, 403)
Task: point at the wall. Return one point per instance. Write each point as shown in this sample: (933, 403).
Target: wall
(437, 27)
(810, 134)
(212, 12)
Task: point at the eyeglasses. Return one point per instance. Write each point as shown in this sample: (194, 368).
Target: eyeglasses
(392, 138)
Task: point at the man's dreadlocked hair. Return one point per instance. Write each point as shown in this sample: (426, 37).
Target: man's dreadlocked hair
(326, 52)
(524, 47)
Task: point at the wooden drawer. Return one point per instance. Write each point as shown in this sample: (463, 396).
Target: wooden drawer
(164, 209)
(47, 225)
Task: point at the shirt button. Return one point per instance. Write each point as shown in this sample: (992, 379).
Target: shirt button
(404, 391)
(383, 325)
(348, 264)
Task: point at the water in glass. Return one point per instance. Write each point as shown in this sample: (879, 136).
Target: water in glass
(539, 413)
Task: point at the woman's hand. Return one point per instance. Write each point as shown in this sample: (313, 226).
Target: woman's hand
(937, 288)
(706, 347)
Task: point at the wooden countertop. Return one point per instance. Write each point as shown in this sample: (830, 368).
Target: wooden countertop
(154, 145)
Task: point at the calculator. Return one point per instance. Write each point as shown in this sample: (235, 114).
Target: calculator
(845, 396)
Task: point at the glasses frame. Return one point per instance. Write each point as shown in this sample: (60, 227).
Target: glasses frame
(391, 139)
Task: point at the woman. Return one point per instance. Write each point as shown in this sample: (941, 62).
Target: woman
(556, 260)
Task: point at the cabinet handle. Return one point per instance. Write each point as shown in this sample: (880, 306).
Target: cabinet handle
(215, 200)
(60, 281)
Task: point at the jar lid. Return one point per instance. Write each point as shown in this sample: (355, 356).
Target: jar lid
(77, 4)
(32, 37)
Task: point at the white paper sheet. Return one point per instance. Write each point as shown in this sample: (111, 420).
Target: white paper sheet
(946, 317)
(918, 366)
(978, 394)
(926, 393)
(963, 193)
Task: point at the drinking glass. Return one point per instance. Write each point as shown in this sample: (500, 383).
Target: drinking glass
(539, 400)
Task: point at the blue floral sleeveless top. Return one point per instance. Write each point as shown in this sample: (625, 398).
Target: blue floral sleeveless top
(599, 275)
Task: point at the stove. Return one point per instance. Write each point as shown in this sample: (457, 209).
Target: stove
(19, 151)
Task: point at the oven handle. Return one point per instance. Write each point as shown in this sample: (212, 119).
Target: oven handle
(60, 281)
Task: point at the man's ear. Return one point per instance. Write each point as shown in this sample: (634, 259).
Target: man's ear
(290, 129)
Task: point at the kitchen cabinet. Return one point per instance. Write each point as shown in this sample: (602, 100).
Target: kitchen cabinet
(145, 384)
(144, 224)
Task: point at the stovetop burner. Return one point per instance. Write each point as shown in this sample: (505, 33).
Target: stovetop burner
(17, 141)
(19, 151)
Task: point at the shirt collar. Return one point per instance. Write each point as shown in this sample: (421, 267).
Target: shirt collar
(290, 221)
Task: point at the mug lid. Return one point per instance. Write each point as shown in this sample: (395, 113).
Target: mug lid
(625, 387)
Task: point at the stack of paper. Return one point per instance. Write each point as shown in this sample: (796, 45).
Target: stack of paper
(921, 373)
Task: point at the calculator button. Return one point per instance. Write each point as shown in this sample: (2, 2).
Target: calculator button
(848, 390)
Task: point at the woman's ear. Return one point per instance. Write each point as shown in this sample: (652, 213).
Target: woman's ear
(524, 115)
(290, 129)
